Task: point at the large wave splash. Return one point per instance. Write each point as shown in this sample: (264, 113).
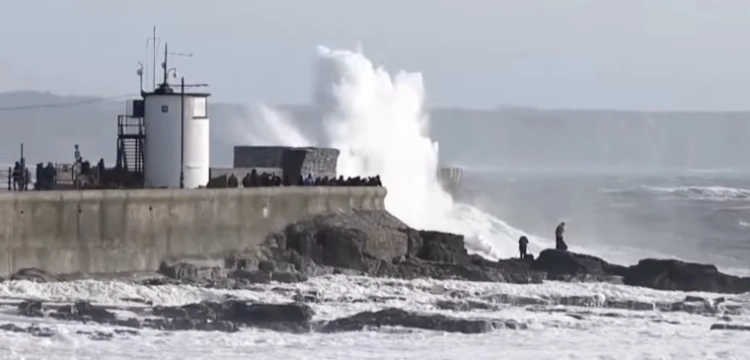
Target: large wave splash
(378, 122)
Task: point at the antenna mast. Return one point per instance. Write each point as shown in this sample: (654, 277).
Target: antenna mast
(165, 63)
(153, 71)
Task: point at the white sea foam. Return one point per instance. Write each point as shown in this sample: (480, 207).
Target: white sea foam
(592, 334)
(708, 193)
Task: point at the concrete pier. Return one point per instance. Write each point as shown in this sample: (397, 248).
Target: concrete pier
(96, 231)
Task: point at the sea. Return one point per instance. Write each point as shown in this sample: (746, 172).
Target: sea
(376, 119)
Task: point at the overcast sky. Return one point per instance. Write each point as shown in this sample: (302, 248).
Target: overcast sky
(628, 54)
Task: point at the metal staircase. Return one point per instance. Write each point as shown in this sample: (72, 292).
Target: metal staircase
(131, 140)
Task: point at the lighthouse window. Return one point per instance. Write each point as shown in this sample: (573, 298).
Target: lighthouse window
(199, 108)
(164, 108)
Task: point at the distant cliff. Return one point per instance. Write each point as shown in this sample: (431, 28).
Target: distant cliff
(509, 137)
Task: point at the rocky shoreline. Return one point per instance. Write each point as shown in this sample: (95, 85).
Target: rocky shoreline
(375, 244)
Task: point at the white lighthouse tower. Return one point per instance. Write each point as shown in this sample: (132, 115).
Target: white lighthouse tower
(176, 152)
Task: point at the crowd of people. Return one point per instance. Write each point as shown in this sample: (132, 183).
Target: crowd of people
(254, 179)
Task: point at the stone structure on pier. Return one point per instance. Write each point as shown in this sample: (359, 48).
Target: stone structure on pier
(291, 162)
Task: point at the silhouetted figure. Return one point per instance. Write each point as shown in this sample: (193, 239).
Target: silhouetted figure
(51, 174)
(26, 178)
(100, 169)
(86, 167)
(232, 181)
(377, 181)
(39, 176)
(254, 181)
(559, 242)
(300, 181)
(16, 176)
(324, 181)
(309, 180)
(523, 243)
(341, 181)
(246, 180)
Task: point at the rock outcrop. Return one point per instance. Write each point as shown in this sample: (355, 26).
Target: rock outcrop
(684, 276)
(398, 317)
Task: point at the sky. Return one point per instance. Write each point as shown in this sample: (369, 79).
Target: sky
(605, 54)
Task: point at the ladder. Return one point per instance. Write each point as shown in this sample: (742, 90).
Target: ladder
(131, 139)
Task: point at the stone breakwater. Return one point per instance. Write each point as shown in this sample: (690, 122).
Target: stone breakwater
(103, 231)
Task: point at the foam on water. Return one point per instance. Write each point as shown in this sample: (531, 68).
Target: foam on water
(594, 334)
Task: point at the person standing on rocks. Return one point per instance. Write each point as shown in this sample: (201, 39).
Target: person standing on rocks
(523, 243)
(559, 242)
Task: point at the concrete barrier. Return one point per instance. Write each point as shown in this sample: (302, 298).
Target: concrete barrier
(133, 230)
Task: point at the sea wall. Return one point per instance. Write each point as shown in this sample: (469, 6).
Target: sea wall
(133, 230)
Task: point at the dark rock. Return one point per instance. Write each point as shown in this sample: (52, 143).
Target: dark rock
(193, 271)
(33, 330)
(557, 262)
(137, 300)
(35, 275)
(267, 266)
(730, 327)
(468, 305)
(398, 317)
(96, 335)
(288, 277)
(31, 308)
(281, 317)
(331, 246)
(443, 247)
(684, 276)
(414, 242)
(253, 277)
(515, 300)
(630, 305)
(85, 312)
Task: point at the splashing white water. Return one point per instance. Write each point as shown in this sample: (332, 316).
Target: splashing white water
(378, 123)
(267, 126)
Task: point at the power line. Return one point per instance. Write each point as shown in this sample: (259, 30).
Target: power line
(64, 105)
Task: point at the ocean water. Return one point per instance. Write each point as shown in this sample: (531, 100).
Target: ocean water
(377, 119)
(696, 216)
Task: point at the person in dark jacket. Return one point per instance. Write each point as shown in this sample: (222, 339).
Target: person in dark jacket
(523, 243)
(559, 242)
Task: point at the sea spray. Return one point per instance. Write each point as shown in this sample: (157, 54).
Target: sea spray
(379, 124)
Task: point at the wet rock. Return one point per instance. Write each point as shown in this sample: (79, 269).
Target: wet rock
(85, 312)
(193, 269)
(730, 327)
(398, 317)
(464, 305)
(439, 247)
(267, 266)
(630, 305)
(560, 263)
(33, 330)
(96, 335)
(307, 297)
(137, 300)
(684, 276)
(288, 277)
(515, 300)
(582, 301)
(35, 275)
(31, 308)
(281, 317)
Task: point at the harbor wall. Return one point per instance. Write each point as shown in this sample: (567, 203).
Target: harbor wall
(96, 231)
